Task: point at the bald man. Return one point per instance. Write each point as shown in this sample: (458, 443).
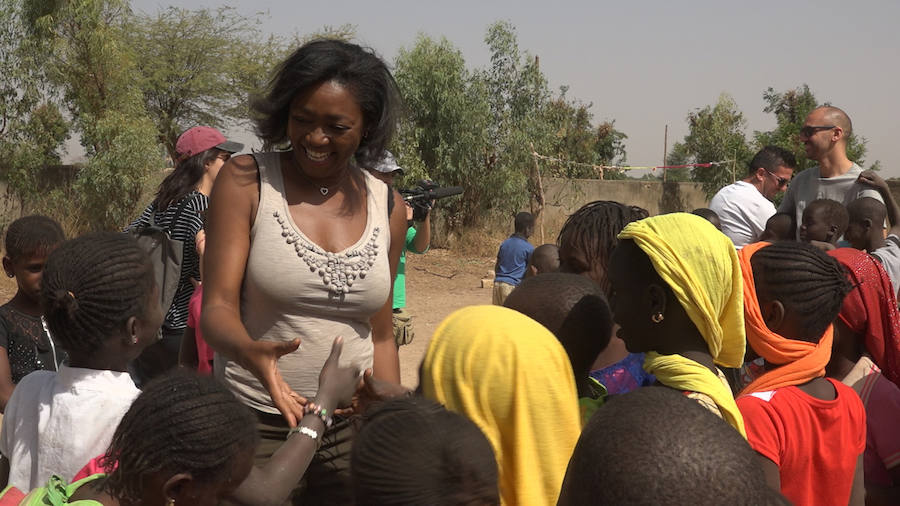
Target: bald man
(824, 134)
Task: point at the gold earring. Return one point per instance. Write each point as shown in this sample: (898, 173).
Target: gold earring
(170, 502)
(657, 317)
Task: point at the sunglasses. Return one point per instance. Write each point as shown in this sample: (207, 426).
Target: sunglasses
(782, 181)
(809, 131)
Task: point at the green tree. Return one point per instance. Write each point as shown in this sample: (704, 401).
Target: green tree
(443, 133)
(716, 133)
(32, 129)
(87, 58)
(198, 67)
(790, 109)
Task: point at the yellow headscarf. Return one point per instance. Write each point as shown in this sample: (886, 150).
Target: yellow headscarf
(510, 376)
(701, 267)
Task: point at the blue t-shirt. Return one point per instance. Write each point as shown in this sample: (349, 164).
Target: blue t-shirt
(512, 259)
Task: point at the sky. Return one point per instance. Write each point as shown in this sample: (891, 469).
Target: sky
(647, 64)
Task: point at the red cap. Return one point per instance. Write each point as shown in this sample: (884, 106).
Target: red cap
(200, 138)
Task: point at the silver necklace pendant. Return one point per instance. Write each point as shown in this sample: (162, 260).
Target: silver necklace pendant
(323, 190)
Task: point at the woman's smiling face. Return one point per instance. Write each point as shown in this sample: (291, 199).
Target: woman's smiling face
(325, 126)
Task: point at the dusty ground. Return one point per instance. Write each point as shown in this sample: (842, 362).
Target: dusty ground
(437, 283)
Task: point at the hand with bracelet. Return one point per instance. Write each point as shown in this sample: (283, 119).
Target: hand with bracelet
(273, 482)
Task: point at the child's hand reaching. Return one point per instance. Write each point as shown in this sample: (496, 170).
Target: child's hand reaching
(871, 178)
(337, 384)
(374, 390)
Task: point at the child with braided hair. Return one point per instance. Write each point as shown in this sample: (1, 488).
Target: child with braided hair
(101, 305)
(586, 244)
(809, 431)
(186, 439)
(25, 344)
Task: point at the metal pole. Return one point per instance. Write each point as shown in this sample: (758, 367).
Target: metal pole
(665, 151)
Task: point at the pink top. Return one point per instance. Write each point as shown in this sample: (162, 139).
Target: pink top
(881, 399)
(204, 352)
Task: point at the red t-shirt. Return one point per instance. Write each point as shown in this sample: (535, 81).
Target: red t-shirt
(815, 443)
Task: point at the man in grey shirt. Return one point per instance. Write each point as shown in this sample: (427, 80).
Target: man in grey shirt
(825, 135)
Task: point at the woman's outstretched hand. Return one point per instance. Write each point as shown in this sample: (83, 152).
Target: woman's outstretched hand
(261, 359)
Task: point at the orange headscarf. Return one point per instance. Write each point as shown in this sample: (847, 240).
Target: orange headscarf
(800, 361)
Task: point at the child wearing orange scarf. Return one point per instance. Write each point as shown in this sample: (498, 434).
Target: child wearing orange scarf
(810, 430)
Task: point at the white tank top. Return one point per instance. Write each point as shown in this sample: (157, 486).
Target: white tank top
(293, 288)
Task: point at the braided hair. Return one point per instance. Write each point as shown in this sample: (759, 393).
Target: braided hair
(181, 423)
(413, 451)
(593, 230)
(92, 285)
(809, 283)
(32, 235)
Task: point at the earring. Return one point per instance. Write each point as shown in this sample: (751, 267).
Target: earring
(657, 317)
(134, 340)
(170, 502)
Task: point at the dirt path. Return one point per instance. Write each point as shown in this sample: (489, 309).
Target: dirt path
(438, 283)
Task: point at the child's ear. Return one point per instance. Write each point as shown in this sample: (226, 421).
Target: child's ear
(867, 223)
(132, 329)
(773, 315)
(656, 296)
(8, 267)
(832, 236)
(177, 488)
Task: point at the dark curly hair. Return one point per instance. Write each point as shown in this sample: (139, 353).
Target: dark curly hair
(31, 235)
(92, 285)
(323, 60)
(181, 423)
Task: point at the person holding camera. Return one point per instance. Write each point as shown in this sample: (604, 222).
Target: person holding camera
(417, 241)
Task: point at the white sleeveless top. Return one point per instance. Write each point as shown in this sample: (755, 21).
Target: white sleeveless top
(293, 288)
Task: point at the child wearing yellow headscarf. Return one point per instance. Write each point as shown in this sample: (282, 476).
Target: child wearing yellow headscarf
(510, 376)
(678, 297)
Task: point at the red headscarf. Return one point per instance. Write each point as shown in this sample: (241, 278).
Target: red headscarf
(871, 309)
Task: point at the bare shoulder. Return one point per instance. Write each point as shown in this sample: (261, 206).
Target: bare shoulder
(242, 170)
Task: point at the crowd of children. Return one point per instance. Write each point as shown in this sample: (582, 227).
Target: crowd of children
(638, 360)
(510, 408)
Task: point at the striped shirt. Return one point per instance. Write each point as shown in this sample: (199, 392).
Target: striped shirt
(189, 223)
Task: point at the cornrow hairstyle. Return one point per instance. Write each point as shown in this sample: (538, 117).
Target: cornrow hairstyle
(593, 230)
(573, 308)
(181, 423)
(319, 61)
(810, 284)
(92, 285)
(412, 451)
(32, 235)
(183, 179)
(833, 212)
(655, 446)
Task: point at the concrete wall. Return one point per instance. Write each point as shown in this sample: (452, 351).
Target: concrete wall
(565, 196)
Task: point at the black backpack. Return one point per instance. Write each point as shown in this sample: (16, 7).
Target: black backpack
(166, 254)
